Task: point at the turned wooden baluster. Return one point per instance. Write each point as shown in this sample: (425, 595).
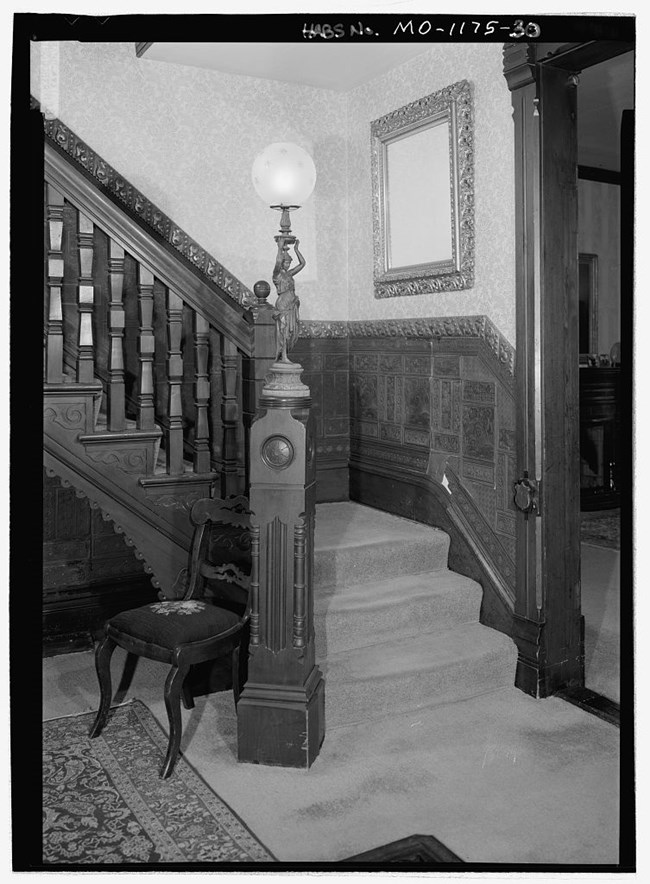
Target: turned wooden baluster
(216, 396)
(230, 418)
(201, 394)
(174, 442)
(85, 354)
(146, 348)
(116, 323)
(54, 326)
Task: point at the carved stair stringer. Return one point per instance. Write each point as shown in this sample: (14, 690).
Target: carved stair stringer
(54, 469)
(163, 550)
(117, 475)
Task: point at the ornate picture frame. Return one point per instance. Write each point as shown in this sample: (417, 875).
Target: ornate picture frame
(422, 166)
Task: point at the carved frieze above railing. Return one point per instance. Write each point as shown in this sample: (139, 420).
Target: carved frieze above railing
(318, 328)
(110, 180)
(480, 327)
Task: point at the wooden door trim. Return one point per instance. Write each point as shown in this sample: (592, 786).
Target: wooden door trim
(547, 624)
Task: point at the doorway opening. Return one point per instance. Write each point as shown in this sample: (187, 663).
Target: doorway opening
(605, 95)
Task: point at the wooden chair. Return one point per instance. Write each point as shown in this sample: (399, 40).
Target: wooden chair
(192, 629)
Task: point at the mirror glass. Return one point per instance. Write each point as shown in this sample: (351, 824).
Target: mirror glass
(418, 206)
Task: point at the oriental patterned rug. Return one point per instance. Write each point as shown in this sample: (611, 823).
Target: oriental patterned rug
(104, 802)
(601, 528)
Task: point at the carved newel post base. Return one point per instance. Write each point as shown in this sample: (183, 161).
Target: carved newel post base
(281, 712)
(283, 382)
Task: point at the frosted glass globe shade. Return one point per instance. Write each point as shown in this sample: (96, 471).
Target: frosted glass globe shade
(284, 174)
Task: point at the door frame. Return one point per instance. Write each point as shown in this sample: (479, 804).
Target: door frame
(548, 626)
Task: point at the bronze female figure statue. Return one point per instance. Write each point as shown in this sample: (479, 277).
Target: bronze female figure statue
(287, 304)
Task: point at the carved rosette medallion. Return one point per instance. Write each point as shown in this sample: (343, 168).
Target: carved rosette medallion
(277, 452)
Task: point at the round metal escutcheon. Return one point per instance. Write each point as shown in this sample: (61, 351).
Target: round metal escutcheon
(277, 452)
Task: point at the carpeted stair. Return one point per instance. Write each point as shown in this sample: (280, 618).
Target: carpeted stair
(396, 630)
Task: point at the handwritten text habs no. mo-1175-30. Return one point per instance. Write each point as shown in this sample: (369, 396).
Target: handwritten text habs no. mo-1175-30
(516, 30)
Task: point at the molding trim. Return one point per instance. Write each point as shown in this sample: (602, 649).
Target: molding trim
(478, 327)
(491, 552)
(317, 328)
(109, 179)
(162, 260)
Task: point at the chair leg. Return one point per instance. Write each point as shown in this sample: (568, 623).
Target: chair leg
(103, 654)
(173, 688)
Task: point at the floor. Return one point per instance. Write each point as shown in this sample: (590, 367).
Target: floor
(601, 607)
(499, 778)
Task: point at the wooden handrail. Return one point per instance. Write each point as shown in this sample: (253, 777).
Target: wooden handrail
(235, 321)
(190, 361)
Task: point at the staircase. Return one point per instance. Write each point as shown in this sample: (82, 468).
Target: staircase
(395, 629)
(154, 358)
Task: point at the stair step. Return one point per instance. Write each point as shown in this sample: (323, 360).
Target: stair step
(418, 672)
(357, 544)
(366, 614)
(130, 427)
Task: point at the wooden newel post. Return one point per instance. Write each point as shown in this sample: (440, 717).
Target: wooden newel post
(281, 712)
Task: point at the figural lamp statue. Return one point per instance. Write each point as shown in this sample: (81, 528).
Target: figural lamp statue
(284, 176)
(281, 711)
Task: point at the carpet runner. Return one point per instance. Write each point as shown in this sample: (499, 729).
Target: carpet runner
(396, 630)
(104, 803)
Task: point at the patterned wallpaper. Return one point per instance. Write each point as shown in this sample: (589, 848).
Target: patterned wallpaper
(187, 138)
(172, 130)
(493, 293)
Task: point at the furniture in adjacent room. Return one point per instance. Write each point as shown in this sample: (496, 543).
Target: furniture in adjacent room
(599, 430)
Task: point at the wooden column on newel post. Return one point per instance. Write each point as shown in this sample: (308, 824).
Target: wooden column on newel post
(281, 712)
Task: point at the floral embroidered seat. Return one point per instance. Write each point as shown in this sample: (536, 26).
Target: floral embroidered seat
(192, 629)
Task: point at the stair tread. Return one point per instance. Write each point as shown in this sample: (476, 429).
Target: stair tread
(349, 525)
(422, 652)
(394, 590)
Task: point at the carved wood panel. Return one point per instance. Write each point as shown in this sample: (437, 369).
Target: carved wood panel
(79, 547)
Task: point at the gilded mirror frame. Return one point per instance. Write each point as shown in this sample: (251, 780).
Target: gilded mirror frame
(452, 106)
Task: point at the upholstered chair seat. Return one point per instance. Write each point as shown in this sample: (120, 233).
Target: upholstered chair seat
(169, 625)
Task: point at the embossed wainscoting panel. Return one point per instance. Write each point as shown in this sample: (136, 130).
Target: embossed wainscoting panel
(322, 350)
(432, 438)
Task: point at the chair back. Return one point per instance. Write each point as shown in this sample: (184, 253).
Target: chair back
(220, 556)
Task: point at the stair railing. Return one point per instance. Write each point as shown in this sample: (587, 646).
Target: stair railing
(173, 353)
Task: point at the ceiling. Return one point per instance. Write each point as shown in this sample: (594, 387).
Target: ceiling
(338, 66)
(604, 91)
